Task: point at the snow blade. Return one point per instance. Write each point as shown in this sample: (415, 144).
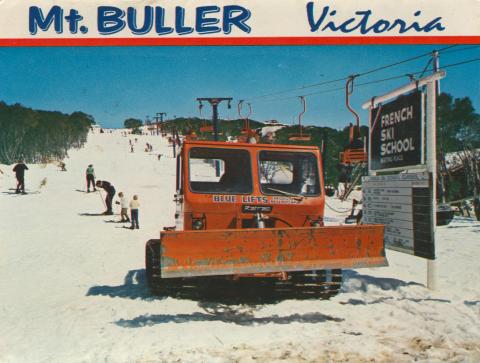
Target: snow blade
(229, 252)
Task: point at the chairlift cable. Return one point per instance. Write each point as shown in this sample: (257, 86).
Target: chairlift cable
(444, 49)
(404, 61)
(461, 49)
(370, 82)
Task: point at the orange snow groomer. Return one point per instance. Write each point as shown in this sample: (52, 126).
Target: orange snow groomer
(256, 210)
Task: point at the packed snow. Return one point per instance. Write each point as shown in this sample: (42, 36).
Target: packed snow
(72, 283)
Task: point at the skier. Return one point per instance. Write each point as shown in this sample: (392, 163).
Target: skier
(134, 204)
(124, 207)
(110, 189)
(19, 170)
(90, 174)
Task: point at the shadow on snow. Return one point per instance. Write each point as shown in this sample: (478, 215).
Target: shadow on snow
(225, 316)
(135, 287)
(384, 283)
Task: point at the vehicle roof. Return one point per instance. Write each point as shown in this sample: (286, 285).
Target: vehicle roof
(248, 145)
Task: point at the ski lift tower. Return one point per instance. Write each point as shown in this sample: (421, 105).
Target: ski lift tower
(214, 102)
(159, 123)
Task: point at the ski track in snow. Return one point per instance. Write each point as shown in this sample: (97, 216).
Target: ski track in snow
(72, 286)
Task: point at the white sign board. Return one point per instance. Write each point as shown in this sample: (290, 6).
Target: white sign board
(403, 203)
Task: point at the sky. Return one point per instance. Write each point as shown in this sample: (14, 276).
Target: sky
(116, 83)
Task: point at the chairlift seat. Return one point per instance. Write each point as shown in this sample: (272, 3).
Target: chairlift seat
(353, 156)
(299, 137)
(206, 128)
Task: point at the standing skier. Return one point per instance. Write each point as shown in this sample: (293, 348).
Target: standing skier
(90, 174)
(110, 189)
(124, 207)
(19, 170)
(134, 205)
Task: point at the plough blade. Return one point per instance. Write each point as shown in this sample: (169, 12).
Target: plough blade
(229, 252)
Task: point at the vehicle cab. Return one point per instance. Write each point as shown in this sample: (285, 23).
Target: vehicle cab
(224, 185)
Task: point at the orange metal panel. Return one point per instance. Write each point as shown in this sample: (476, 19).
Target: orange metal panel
(227, 252)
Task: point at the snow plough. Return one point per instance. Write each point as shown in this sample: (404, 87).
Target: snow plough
(254, 214)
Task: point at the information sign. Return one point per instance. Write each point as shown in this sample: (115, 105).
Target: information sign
(403, 203)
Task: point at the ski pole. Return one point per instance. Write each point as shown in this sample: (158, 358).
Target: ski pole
(101, 197)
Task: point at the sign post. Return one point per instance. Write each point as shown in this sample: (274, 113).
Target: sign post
(432, 168)
(405, 202)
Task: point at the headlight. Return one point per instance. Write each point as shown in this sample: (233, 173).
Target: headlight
(316, 222)
(198, 224)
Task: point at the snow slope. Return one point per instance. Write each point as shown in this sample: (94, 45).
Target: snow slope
(72, 285)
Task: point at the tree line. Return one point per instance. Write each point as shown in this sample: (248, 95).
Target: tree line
(40, 136)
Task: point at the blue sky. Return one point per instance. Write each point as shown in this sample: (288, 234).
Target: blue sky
(115, 83)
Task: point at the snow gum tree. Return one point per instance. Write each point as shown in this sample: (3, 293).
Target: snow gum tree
(40, 136)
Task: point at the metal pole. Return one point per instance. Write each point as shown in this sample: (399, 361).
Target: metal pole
(404, 89)
(174, 142)
(215, 120)
(436, 67)
(159, 125)
(432, 169)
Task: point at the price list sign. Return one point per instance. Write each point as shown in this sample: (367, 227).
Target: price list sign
(403, 203)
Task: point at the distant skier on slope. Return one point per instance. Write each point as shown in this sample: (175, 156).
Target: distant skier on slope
(19, 170)
(90, 174)
(110, 189)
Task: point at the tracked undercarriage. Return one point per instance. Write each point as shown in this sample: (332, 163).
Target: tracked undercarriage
(320, 284)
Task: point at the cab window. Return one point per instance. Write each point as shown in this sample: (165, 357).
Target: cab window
(222, 171)
(288, 173)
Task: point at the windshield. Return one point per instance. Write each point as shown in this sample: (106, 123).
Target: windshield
(222, 171)
(289, 173)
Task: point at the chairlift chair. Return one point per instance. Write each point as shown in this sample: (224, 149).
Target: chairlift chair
(205, 127)
(300, 136)
(355, 152)
(247, 134)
